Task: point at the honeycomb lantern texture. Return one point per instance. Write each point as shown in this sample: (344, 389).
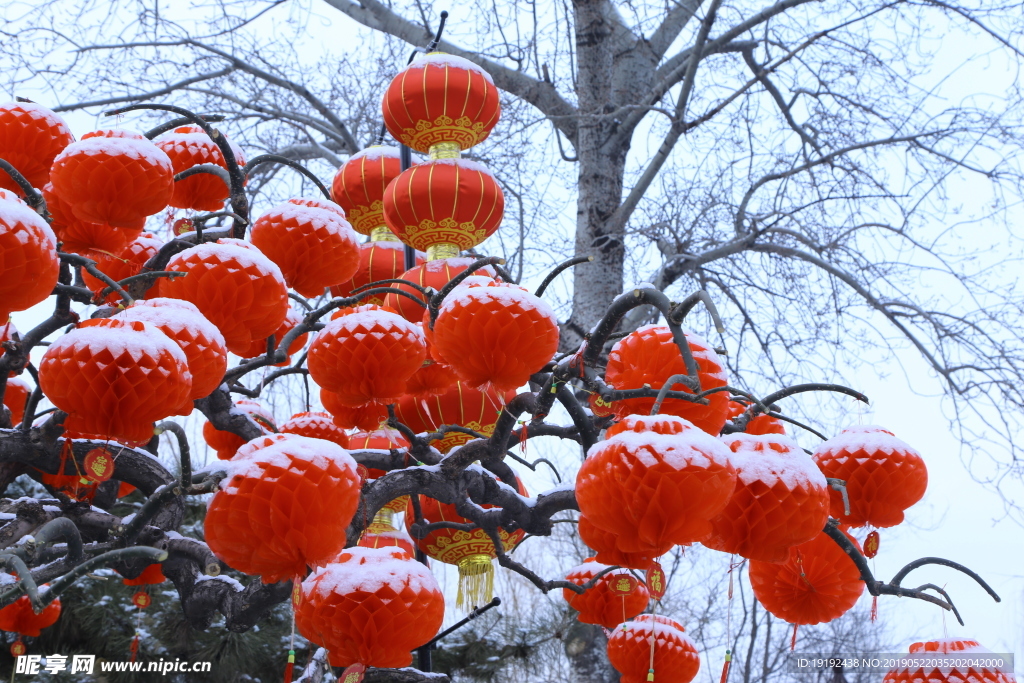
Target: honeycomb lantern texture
(434, 274)
(120, 265)
(226, 443)
(30, 137)
(314, 248)
(188, 146)
(884, 476)
(367, 356)
(650, 356)
(675, 656)
(93, 240)
(598, 604)
(606, 545)
(199, 339)
(115, 177)
(935, 661)
(235, 286)
(441, 98)
(459, 405)
(28, 258)
(115, 378)
(655, 480)
(781, 499)
(18, 617)
(358, 186)
(316, 426)
(365, 418)
(495, 335)
(372, 606)
(283, 507)
(816, 584)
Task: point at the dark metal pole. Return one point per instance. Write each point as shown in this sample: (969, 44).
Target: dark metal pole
(405, 157)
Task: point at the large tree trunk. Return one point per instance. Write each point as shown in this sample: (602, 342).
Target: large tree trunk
(587, 649)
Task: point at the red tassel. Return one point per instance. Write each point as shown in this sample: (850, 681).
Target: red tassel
(874, 608)
(289, 667)
(134, 647)
(792, 643)
(725, 666)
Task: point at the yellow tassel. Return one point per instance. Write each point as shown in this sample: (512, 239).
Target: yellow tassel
(476, 581)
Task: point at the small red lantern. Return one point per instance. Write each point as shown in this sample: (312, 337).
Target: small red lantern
(28, 258)
(884, 476)
(258, 347)
(366, 356)
(314, 248)
(30, 137)
(15, 396)
(235, 286)
(114, 378)
(189, 146)
(599, 604)
(19, 617)
(495, 335)
(818, 583)
(757, 426)
(376, 536)
(372, 606)
(114, 177)
(949, 661)
(226, 443)
(378, 260)
(443, 206)
(606, 545)
(315, 491)
(441, 98)
(123, 264)
(434, 274)
(658, 479)
(315, 426)
(675, 658)
(151, 575)
(650, 356)
(781, 499)
(360, 183)
(92, 240)
(381, 439)
(202, 343)
(365, 418)
(460, 405)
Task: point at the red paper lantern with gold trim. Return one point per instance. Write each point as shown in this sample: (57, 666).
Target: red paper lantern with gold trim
(30, 137)
(19, 617)
(781, 499)
(226, 443)
(124, 264)
(441, 98)
(818, 583)
(434, 274)
(381, 537)
(15, 396)
(359, 185)
(884, 476)
(675, 656)
(381, 439)
(28, 258)
(372, 606)
(314, 489)
(657, 479)
(92, 240)
(114, 378)
(599, 604)
(650, 356)
(114, 177)
(316, 426)
(189, 146)
(460, 405)
(606, 545)
(365, 418)
(948, 660)
(379, 260)
(443, 206)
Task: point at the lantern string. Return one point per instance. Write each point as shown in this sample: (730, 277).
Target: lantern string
(290, 666)
(654, 623)
(728, 620)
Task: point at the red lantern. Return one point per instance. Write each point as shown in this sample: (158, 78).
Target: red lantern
(649, 356)
(114, 177)
(15, 396)
(92, 240)
(441, 98)
(471, 551)
(30, 137)
(379, 260)
(432, 379)
(19, 617)
(190, 146)
(460, 405)
(606, 545)
(283, 507)
(360, 182)
(314, 248)
(599, 604)
(758, 426)
(443, 206)
(365, 418)
(387, 538)
(258, 347)
(315, 426)
(28, 258)
(495, 335)
(7, 333)
(884, 476)
(123, 264)
(781, 499)
(202, 343)
(226, 443)
(381, 439)
(372, 606)
(434, 274)
(235, 286)
(114, 378)
(151, 575)
(367, 356)
(675, 656)
(949, 661)
(657, 479)
(818, 583)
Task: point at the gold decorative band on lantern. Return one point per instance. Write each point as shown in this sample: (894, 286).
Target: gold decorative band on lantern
(445, 150)
(476, 581)
(383, 234)
(382, 521)
(442, 250)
